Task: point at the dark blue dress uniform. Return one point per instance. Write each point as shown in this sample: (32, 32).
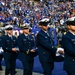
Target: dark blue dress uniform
(46, 50)
(68, 43)
(9, 55)
(1, 54)
(25, 44)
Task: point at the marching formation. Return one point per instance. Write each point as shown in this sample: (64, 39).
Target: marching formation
(26, 47)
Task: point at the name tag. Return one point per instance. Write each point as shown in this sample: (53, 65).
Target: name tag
(73, 39)
(7, 40)
(14, 40)
(46, 37)
(24, 39)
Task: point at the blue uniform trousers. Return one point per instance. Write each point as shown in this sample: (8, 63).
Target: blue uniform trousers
(10, 63)
(27, 63)
(1, 56)
(48, 67)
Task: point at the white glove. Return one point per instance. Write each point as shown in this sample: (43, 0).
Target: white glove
(57, 52)
(17, 48)
(1, 50)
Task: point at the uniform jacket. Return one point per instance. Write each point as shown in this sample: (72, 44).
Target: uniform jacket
(0, 41)
(7, 45)
(46, 49)
(25, 44)
(68, 43)
(1, 46)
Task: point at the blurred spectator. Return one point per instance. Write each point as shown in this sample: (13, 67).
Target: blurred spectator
(17, 12)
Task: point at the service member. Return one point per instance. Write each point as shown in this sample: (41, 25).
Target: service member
(10, 52)
(68, 42)
(46, 48)
(27, 50)
(1, 52)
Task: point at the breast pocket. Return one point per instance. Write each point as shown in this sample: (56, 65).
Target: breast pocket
(73, 41)
(46, 38)
(32, 40)
(0, 40)
(24, 41)
(8, 41)
(14, 41)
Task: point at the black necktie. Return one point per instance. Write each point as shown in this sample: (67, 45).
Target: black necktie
(27, 37)
(50, 36)
(47, 33)
(11, 37)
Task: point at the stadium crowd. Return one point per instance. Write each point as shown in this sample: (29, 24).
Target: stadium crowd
(16, 13)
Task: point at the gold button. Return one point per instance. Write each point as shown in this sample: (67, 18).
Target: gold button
(44, 52)
(73, 59)
(74, 42)
(52, 47)
(6, 48)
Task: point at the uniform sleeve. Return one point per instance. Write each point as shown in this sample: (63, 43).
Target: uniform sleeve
(0, 41)
(67, 45)
(46, 44)
(33, 43)
(20, 45)
(5, 48)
